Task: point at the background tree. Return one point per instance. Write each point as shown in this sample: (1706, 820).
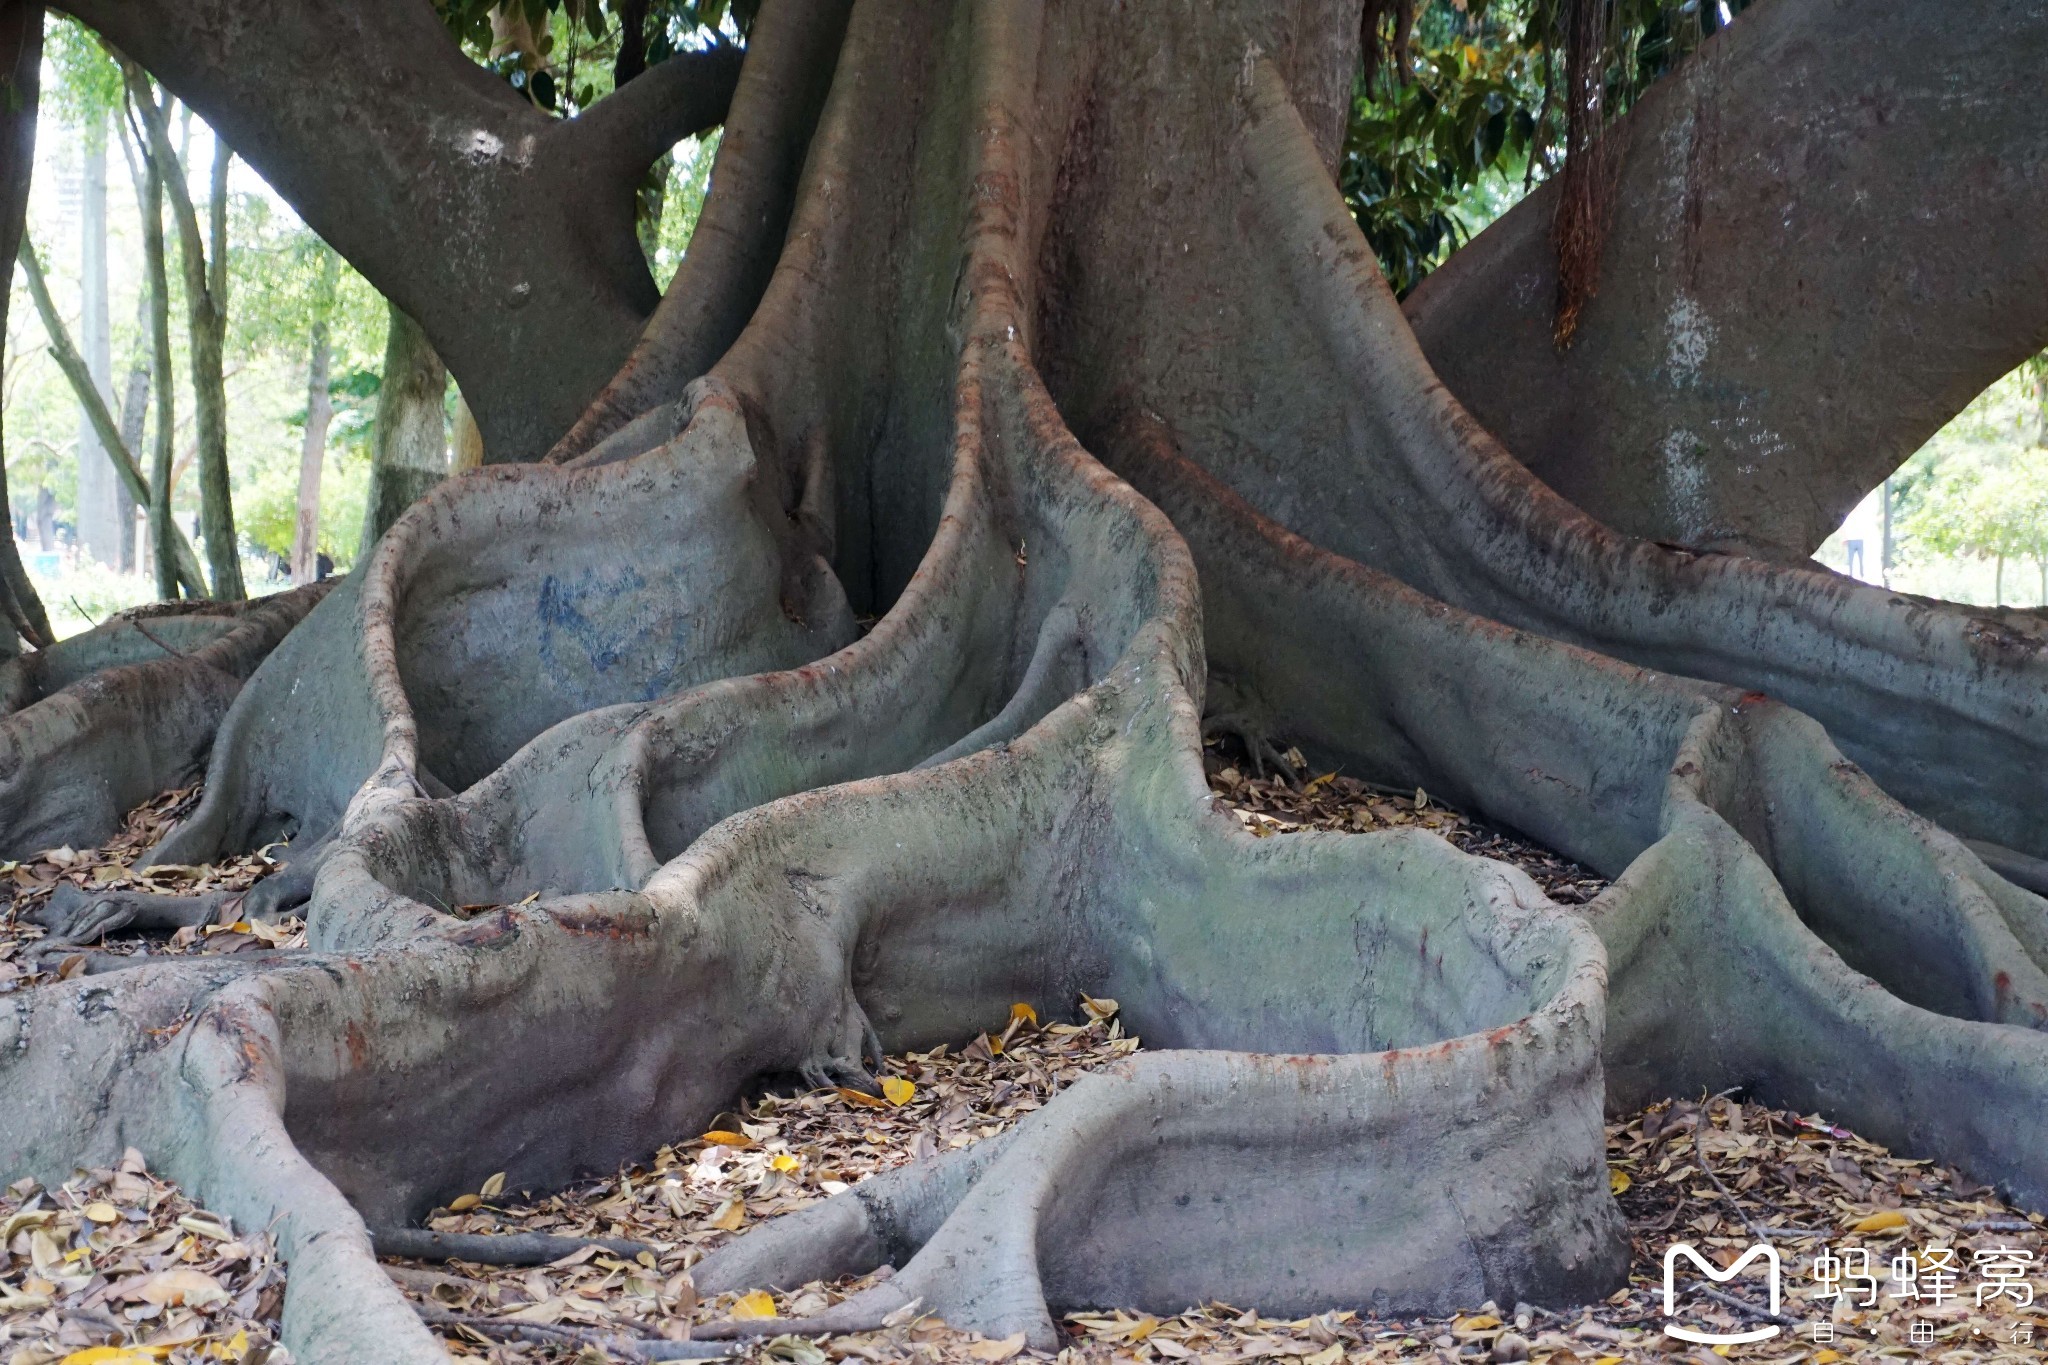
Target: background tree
(205, 277)
(1027, 396)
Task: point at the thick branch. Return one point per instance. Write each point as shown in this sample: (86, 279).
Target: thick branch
(682, 96)
(491, 224)
(1825, 253)
(65, 353)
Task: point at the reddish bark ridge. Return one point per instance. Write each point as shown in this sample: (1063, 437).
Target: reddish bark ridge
(621, 698)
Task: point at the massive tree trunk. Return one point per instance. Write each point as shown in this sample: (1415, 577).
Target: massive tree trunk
(1074, 374)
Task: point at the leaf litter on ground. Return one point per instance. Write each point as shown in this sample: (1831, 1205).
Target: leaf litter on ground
(118, 1267)
(1710, 1172)
(27, 883)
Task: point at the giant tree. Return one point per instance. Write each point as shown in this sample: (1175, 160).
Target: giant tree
(1037, 337)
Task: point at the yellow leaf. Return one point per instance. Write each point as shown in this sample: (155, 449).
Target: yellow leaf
(494, 1186)
(1608, 1360)
(755, 1305)
(102, 1212)
(1098, 1010)
(728, 1139)
(193, 1288)
(238, 1345)
(1481, 1323)
(1618, 1181)
(1878, 1222)
(463, 1203)
(861, 1098)
(783, 1161)
(897, 1090)
(105, 1355)
(730, 1215)
(1826, 1357)
(1144, 1327)
(1020, 1010)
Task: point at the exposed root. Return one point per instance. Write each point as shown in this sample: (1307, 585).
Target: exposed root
(79, 756)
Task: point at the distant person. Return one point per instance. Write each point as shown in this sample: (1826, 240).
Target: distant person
(1855, 549)
(323, 565)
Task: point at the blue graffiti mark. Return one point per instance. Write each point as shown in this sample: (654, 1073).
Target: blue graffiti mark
(572, 609)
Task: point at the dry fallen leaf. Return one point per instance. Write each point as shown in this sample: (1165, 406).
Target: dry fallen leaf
(997, 1350)
(759, 1304)
(897, 1090)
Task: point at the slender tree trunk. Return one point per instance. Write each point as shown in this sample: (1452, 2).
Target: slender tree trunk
(1998, 583)
(163, 529)
(21, 54)
(319, 412)
(99, 491)
(206, 320)
(411, 453)
(134, 422)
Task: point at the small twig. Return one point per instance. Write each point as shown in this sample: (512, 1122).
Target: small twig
(150, 636)
(490, 1248)
(1740, 1305)
(2002, 1225)
(555, 1334)
(81, 610)
(1699, 1146)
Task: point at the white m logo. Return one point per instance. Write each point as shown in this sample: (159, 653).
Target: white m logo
(1764, 1250)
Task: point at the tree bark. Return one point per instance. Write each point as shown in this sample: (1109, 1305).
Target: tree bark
(1881, 192)
(319, 412)
(437, 151)
(410, 454)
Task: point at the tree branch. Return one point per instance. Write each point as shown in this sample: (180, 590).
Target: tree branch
(651, 113)
(94, 403)
(550, 288)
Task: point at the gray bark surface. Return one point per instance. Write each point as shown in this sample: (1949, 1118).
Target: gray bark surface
(1822, 253)
(1099, 449)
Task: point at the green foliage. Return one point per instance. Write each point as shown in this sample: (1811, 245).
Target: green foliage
(689, 181)
(267, 507)
(86, 94)
(576, 41)
(1413, 153)
(1449, 134)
